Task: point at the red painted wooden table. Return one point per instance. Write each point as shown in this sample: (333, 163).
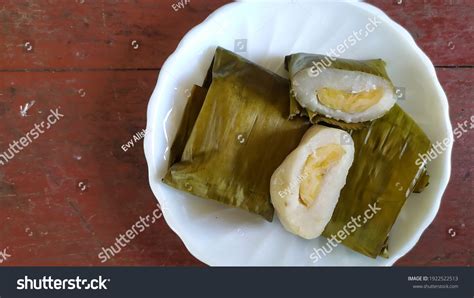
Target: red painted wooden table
(72, 190)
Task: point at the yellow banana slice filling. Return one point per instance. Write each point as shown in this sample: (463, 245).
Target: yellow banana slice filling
(314, 170)
(349, 102)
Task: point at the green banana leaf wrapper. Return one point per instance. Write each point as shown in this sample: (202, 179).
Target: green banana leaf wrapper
(240, 136)
(191, 112)
(384, 173)
(301, 61)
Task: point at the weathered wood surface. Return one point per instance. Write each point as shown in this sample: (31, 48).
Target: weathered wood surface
(74, 189)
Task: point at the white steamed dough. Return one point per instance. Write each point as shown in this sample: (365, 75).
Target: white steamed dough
(350, 96)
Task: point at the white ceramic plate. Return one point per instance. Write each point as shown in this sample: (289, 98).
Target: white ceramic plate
(220, 235)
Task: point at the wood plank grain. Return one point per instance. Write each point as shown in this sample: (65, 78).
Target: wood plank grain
(97, 34)
(443, 29)
(46, 219)
(94, 34)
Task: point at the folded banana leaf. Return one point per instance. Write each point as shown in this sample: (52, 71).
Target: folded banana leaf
(191, 112)
(383, 175)
(298, 62)
(241, 135)
(422, 183)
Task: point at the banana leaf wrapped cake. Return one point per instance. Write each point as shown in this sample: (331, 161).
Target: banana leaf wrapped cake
(383, 175)
(342, 92)
(239, 138)
(358, 96)
(305, 187)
